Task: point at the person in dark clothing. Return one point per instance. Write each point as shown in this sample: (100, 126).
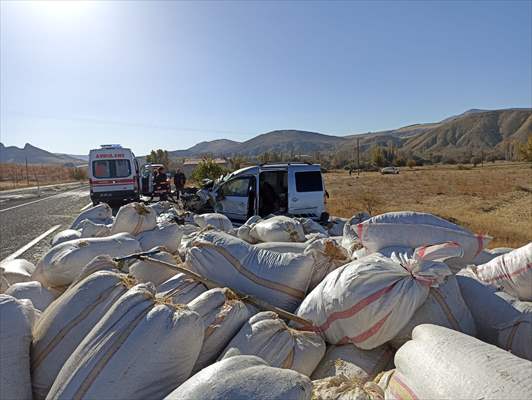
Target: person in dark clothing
(268, 199)
(179, 181)
(160, 177)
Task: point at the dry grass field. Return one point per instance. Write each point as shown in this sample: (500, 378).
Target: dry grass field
(495, 198)
(13, 176)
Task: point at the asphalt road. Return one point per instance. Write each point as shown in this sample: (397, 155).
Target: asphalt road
(27, 214)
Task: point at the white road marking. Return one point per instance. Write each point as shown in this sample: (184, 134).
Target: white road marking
(36, 201)
(87, 206)
(31, 244)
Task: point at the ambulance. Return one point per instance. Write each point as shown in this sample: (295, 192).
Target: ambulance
(113, 175)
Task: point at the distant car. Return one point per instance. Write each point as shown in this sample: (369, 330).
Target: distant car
(390, 170)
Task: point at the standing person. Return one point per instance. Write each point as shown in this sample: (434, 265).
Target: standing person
(179, 181)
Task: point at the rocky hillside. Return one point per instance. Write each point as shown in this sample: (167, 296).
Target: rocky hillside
(34, 155)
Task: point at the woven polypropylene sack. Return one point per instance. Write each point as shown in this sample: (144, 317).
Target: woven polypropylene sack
(278, 229)
(143, 348)
(39, 296)
(16, 318)
(63, 263)
(280, 279)
(412, 229)
(151, 271)
(512, 272)
(244, 378)
(65, 236)
(134, 218)
(167, 236)
(17, 270)
(181, 289)
(216, 220)
(516, 336)
(101, 213)
(223, 315)
(267, 336)
(440, 363)
(66, 322)
(444, 306)
(367, 302)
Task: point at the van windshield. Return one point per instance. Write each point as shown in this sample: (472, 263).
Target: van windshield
(111, 168)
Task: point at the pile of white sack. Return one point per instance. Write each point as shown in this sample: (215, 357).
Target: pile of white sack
(402, 305)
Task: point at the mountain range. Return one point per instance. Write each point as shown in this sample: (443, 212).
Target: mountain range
(35, 155)
(472, 131)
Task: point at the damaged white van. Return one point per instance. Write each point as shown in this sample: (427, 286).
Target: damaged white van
(294, 189)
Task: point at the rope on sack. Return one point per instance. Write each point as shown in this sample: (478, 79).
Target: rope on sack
(147, 256)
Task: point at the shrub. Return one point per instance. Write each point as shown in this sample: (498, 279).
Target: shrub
(411, 163)
(207, 169)
(475, 161)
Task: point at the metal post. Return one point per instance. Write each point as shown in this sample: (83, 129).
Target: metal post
(358, 156)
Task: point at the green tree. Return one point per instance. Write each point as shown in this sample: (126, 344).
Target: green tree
(207, 169)
(475, 161)
(158, 156)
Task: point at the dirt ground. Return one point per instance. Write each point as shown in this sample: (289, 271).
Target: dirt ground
(495, 199)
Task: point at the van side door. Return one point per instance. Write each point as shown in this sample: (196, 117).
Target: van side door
(232, 198)
(306, 192)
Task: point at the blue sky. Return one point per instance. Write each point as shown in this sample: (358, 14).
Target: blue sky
(171, 74)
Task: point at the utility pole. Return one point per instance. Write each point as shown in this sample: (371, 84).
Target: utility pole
(358, 156)
(27, 176)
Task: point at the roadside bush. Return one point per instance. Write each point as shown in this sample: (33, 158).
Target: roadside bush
(207, 169)
(411, 163)
(79, 174)
(475, 161)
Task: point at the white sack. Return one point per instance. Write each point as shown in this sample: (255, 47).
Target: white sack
(311, 226)
(16, 318)
(161, 207)
(328, 255)
(522, 306)
(267, 336)
(17, 270)
(350, 239)
(445, 307)
(516, 336)
(4, 284)
(412, 229)
(511, 272)
(141, 349)
(89, 229)
(190, 232)
(134, 218)
(99, 263)
(218, 221)
(283, 247)
(335, 226)
(278, 229)
(168, 236)
(440, 363)
(244, 378)
(63, 263)
(487, 255)
(244, 231)
(488, 310)
(149, 271)
(68, 321)
(280, 279)
(101, 213)
(352, 362)
(181, 289)
(223, 315)
(39, 296)
(65, 236)
(367, 302)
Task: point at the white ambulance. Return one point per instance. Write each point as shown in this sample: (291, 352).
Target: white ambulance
(113, 175)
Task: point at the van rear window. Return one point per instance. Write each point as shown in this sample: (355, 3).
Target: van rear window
(111, 168)
(309, 181)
